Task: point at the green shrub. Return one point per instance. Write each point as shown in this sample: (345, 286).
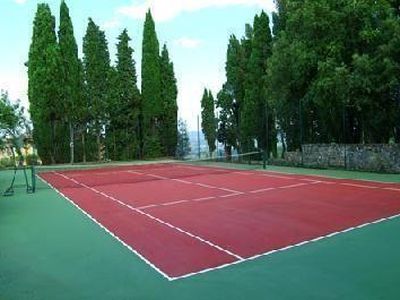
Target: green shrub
(32, 159)
(7, 162)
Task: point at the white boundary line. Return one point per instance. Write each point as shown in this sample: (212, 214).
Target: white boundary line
(241, 260)
(360, 185)
(204, 199)
(277, 176)
(297, 176)
(79, 173)
(267, 174)
(232, 194)
(145, 260)
(303, 243)
(261, 172)
(327, 177)
(176, 228)
(293, 185)
(174, 202)
(262, 190)
(208, 186)
(182, 201)
(182, 181)
(392, 189)
(205, 185)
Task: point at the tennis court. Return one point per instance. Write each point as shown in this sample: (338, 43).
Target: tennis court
(185, 220)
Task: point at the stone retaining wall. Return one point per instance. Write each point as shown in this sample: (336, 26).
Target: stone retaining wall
(376, 157)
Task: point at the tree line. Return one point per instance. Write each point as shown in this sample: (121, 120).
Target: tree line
(13, 123)
(324, 72)
(86, 109)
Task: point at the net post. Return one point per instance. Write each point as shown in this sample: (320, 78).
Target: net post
(264, 154)
(32, 187)
(198, 136)
(10, 190)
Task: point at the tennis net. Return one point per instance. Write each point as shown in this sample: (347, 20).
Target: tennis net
(78, 176)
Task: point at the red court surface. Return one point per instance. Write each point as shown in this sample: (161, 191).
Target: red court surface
(183, 220)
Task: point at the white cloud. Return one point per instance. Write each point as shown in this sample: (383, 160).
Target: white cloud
(191, 87)
(186, 42)
(20, 1)
(111, 24)
(163, 10)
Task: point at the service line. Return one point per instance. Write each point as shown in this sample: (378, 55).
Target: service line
(158, 220)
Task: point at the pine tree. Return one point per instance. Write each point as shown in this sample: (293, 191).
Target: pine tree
(70, 77)
(151, 107)
(97, 66)
(208, 120)
(44, 87)
(169, 93)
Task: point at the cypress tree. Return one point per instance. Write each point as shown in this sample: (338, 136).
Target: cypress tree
(226, 128)
(97, 66)
(81, 112)
(169, 93)
(44, 86)
(70, 77)
(235, 69)
(258, 118)
(125, 110)
(208, 121)
(246, 138)
(279, 17)
(183, 146)
(151, 108)
(115, 130)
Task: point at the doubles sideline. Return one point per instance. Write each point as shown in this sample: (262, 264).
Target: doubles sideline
(239, 259)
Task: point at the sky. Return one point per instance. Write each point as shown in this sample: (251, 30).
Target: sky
(196, 33)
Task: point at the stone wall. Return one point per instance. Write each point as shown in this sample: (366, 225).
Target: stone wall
(376, 157)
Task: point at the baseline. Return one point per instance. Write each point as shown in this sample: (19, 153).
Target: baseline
(303, 243)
